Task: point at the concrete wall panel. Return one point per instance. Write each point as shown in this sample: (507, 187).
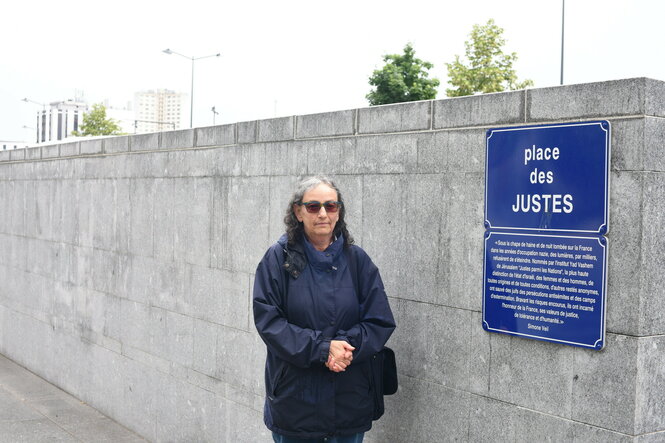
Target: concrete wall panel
(326, 124)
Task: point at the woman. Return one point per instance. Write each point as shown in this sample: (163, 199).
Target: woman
(320, 307)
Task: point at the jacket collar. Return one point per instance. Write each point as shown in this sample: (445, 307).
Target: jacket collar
(295, 257)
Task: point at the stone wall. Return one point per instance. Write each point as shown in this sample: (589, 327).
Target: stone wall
(126, 269)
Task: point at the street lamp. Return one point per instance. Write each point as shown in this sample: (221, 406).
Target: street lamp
(27, 100)
(214, 113)
(193, 59)
(43, 105)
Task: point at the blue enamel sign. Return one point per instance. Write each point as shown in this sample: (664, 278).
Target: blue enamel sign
(548, 178)
(547, 287)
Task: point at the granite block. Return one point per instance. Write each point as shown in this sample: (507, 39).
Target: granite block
(332, 156)
(587, 101)
(654, 97)
(615, 370)
(656, 437)
(479, 358)
(649, 405)
(216, 135)
(625, 265)
(192, 210)
(163, 221)
(84, 215)
(121, 215)
(433, 412)
(252, 429)
(652, 302)
(281, 189)
(90, 147)
(412, 267)
(69, 149)
(204, 347)
(533, 426)
(142, 215)
(171, 336)
(138, 385)
(388, 154)
(432, 152)
(532, 374)
(105, 266)
(30, 153)
(466, 150)
(493, 421)
(103, 199)
(193, 163)
(19, 191)
(217, 296)
(5, 156)
(182, 408)
(480, 110)
(20, 154)
(145, 142)
(135, 330)
(246, 241)
(461, 236)
(219, 248)
(351, 187)
(253, 159)
(275, 129)
(228, 160)
(422, 354)
(246, 132)
(628, 144)
(182, 139)
(113, 145)
(654, 154)
(52, 151)
(243, 373)
(286, 158)
(326, 124)
(399, 117)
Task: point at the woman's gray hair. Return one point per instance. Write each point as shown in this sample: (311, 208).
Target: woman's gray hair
(295, 229)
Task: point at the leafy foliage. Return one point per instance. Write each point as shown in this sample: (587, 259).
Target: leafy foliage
(96, 123)
(404, 78)
(489, 69)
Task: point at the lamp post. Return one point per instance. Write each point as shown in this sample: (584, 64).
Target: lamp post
(193, 59)
(43, 105)
(214, 113)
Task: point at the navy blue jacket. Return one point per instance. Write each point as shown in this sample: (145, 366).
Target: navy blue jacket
(302, 300)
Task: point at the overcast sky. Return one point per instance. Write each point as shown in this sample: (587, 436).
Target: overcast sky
(296, 57)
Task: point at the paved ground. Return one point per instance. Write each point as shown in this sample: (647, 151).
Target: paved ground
(33, 410)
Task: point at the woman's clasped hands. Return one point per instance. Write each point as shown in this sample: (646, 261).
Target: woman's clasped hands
(339, 356)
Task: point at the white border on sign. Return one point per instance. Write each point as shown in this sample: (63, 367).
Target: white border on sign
(606, 214)
(538, 337)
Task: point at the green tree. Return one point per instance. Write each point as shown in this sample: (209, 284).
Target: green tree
(95, 122)
(404, 78)
(489, 69)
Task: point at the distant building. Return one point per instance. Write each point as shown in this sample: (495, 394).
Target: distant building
(58, 122)
(158, 110)
(123, 116)
(6, 145)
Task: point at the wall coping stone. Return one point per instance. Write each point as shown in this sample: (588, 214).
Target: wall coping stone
(631, 97)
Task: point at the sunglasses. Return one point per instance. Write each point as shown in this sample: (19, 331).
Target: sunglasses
(313, 207)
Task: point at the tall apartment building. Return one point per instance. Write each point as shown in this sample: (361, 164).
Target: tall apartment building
(58, 122)
(158, 110)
